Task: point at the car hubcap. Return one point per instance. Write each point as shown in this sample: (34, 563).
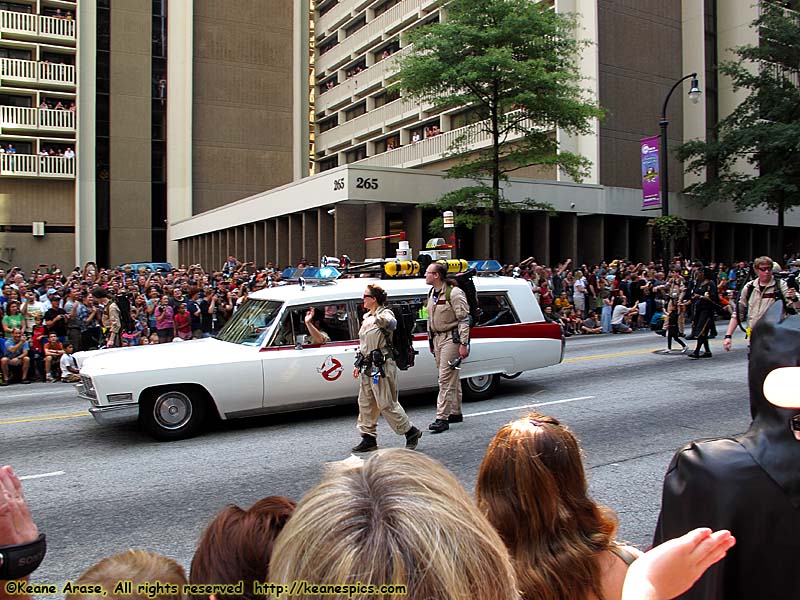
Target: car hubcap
(480, 383)
(172, 410)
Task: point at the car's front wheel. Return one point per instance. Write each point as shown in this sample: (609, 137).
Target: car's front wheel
(481, 387)
(173, 413)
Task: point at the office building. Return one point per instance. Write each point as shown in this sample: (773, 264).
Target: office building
(171, 108)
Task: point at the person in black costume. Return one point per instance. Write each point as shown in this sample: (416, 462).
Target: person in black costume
(749, 484)
(705, 303)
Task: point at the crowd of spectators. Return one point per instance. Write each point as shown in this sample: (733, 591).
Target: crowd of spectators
(191, 302)
(398, 525)
(187, 302)
(621, 296)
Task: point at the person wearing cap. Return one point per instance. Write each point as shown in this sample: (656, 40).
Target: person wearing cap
(55, 318)
(749, 484)
(758, 296)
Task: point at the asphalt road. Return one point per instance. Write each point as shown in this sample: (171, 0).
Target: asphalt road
(97, 491)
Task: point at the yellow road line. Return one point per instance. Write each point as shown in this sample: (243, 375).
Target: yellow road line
(612, 355)
(44, 418)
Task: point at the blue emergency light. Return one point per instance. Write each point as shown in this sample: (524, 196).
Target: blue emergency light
(311, 274)
(485, 267)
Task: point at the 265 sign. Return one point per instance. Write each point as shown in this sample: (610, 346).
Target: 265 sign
(362, 183)
(367, 183)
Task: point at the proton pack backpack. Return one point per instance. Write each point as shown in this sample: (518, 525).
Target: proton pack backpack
(123, 302)
(401, 341)
(464, 281)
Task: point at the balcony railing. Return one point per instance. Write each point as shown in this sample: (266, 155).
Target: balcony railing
(334, 15)
(18, 23)
(18, 70)
(377, 118)
(30, 71)
(435, 148)
(56, 73)
(56, 119)
(30, 26)
(58, 28)
(363, 81)
(30, 165)
(18, 117)
(374, 29)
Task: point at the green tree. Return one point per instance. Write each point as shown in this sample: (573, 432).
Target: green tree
(515, 63)
(763, 131)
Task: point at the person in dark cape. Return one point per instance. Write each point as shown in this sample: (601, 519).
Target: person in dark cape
(749, 484)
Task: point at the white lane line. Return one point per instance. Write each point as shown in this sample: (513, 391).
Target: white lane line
(499, 410)
(40, 475)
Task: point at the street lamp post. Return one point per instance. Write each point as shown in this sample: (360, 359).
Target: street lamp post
(694, 96)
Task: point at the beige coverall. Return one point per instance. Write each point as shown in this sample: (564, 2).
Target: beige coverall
(379, 398)
(443, 318)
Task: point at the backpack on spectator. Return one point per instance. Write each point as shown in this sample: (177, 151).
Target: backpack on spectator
(123, 303)
(401, 341)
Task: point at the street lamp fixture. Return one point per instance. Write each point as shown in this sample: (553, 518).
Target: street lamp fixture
(694, 96)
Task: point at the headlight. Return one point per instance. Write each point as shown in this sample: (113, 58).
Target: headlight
(88, 386)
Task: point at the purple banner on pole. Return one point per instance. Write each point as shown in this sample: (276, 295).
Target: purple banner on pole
(651, 182)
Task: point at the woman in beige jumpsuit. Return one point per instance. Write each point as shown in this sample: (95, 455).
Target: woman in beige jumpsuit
(377, 393)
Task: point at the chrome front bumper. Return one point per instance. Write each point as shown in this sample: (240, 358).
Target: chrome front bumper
(108, 415)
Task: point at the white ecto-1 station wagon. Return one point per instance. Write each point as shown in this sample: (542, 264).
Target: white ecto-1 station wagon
(261, 363)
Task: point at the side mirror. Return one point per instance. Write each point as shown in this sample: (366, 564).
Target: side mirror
(299, 341)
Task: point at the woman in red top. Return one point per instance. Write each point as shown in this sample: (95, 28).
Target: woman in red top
(183, 322)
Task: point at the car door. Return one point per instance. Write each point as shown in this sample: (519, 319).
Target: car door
(298, 373)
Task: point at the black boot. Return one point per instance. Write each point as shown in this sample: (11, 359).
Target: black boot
(439, 425)
(368, 444)
(412, 438)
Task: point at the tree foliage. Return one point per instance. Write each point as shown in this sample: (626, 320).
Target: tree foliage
(514, 62)
(763, 132)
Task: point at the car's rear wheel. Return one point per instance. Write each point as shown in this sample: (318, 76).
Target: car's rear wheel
(481, 387)
(173, 413)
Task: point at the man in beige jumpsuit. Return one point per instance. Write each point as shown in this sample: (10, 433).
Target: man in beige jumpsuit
(377, 394)
(446, 317)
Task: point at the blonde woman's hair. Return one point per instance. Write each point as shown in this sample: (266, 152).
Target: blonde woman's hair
(398, 518)
(137, 566)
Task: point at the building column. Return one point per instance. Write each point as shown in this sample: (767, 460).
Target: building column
(180, 27)
(375, 226)
(310, 246)
(568, 237)
(259, 245)
(85, 175)
(325, 233)
(591, 234)
(412, 221)
(481, 241)
(296, 238)
(349, 231)
(511, 233)
(282, 253)
(540, 236)
(271, 241)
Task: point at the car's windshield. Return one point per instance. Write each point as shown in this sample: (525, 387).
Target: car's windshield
(251, 322)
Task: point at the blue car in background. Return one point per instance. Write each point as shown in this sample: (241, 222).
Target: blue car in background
(150, 266)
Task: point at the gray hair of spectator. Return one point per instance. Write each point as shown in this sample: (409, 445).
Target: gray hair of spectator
(400, 518)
